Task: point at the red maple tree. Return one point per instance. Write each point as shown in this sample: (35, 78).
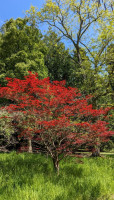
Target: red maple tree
(55, 116)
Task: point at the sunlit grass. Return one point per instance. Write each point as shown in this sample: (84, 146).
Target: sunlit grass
(31, 177)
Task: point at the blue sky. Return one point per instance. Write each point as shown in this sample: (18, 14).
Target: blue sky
(16, 8)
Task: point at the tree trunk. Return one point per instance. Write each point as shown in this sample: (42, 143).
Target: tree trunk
(94, 102)
(56, 165)
(96, 152)
(29, 146)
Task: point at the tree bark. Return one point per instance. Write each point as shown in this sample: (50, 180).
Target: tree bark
(29, 146)
(56, 165)
(96, 152)
(94, 103)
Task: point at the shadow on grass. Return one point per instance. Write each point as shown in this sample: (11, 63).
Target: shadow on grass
(110, 156)
(73, 171)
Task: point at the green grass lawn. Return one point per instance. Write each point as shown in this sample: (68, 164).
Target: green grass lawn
(31, 177)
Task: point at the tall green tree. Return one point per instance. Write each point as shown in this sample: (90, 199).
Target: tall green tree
(84, 24)
(58, 59)
(110, 67)
(21, 49)
(63, 64)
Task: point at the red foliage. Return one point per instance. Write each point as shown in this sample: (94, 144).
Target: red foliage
(58, 117)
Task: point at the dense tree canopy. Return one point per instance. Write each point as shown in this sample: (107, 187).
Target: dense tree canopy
(60, 63)
(85, 24)
(21, 49)
(78, 48)
(54, 115)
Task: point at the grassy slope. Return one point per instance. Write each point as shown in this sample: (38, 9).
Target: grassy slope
(31, 177)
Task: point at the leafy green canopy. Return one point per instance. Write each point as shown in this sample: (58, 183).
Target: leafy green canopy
(85, 24)
(21, 49)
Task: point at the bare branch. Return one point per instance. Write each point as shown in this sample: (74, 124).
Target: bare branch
(87, 26)
(87, 49)
(103, 47)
